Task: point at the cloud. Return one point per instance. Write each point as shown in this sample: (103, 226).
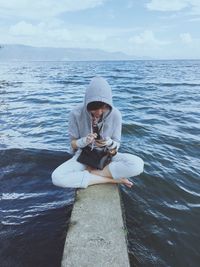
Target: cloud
(166, 5)
(189, 7)
(23, 28)
(42, 31)
(186, 38)
(57, 34)
(195, 10)
(195, 19)
(193, 6)
(43, 8)
(147, 38)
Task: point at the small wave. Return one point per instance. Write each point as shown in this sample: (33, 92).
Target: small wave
(194, 205)
(36, 100)
(12, 223)
(133, 128)
(190, 192)
(174, 84)
(9, 210)
(68, 82)
(121, 70)
(50, 205)
(4, 84)
(8, 196)
(176, 206)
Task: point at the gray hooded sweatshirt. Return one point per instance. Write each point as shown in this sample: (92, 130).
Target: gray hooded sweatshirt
(80, 120)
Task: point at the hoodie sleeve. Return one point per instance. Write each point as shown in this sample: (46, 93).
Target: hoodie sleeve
(116, 136)
(73, 127)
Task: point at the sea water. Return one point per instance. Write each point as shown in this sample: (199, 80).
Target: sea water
(160, 105)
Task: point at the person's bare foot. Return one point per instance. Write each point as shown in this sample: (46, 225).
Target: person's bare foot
(105, 174)
(126, 182)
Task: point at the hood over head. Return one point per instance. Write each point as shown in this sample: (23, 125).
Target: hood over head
(98, 90)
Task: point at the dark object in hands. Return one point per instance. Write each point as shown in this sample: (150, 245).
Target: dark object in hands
(96, 158)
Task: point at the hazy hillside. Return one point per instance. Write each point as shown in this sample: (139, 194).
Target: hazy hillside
(23, 52)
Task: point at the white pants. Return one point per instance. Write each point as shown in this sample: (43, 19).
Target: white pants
(74, 174)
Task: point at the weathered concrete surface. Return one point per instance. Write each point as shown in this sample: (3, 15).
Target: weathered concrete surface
(96, 236)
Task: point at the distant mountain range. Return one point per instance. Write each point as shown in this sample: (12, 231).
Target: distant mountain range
(30, 53)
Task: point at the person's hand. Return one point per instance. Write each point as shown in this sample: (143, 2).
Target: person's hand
(84, 141)
(100, 143)
(90, 138)
(109, 143)
(112, 148)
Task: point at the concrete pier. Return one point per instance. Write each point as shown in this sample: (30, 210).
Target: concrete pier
(96, 235)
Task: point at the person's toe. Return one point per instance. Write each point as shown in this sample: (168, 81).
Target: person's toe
(127, 183)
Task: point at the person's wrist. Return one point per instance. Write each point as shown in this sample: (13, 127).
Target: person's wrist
(82, 142)
(111, 144)
(109, 141)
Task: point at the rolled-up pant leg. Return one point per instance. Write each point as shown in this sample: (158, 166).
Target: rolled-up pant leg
(126, 165)
(71, 174)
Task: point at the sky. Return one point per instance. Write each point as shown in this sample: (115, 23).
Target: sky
(161, 29)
